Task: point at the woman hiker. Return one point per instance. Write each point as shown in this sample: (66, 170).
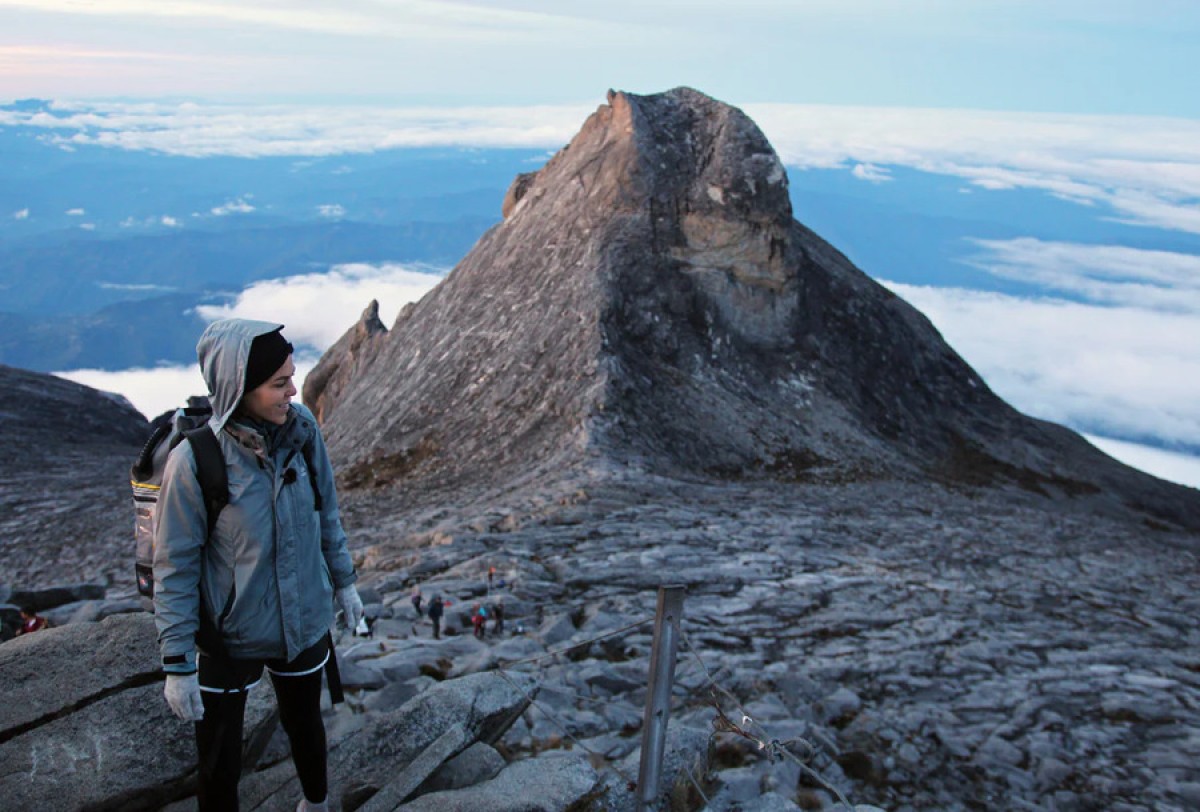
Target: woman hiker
(260, 590)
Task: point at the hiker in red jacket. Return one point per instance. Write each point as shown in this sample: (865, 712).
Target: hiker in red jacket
(31, 622)
(478, 619)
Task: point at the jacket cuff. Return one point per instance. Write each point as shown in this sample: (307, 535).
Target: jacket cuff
(179, 663)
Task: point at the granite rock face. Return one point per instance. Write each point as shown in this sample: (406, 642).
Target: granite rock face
(84, 724)
(65, 505)
(339, 366)
(649, 302)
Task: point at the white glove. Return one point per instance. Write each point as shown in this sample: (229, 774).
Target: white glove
(352, 607)
(183, 695)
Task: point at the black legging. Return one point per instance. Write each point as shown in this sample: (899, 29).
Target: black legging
(219, 740)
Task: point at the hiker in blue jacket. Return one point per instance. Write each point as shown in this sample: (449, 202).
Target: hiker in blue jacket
(259, 591)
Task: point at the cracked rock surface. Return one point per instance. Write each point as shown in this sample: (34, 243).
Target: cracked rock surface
(916, 647)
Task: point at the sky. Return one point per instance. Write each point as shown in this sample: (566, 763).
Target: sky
(1092, 102)
(1091, 56)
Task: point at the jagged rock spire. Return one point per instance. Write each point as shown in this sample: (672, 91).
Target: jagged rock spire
(649, 303)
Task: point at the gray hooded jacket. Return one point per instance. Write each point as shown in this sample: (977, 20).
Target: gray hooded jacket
(267, 574)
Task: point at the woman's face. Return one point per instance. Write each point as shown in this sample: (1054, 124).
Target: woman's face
(270, 400)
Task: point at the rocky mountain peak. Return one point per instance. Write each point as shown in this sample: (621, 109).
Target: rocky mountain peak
(648, 303)
(706, 176)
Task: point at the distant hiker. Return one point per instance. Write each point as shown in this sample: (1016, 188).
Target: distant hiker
(491, 575)
(498, 614)
(255, 588)
(435, 615)
(31, 622)
(416, 599)
(478, 619)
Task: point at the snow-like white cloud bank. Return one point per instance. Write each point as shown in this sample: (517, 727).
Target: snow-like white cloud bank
(1146, 168)
(316, 309)
(1104, 274)
(197, 130)
(1183, 469)
(870, 172)
(151, 391)
(1124, 372)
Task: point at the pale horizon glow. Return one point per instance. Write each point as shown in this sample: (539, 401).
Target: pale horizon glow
(1094, 56)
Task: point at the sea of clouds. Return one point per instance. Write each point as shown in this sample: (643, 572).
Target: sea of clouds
(1107, 344)
(315, 309)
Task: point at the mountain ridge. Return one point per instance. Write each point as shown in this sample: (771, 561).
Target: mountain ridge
(650, 303)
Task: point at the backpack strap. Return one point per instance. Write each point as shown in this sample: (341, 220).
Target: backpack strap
(210, 472)
(144, 467)
(312, 474)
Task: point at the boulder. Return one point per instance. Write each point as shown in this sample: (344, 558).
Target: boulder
(90, 611)
(556, 629)
(39, 600)
(479, 762)
(84, 724)
(444, 720)
(549, 784)
(10, 620)
(83, 662)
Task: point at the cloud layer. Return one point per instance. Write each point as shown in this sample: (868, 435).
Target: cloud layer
(316, 310)
(319, 308)
(1182, 469)
(1106, 274)
(1128, 373)
(1145, 170)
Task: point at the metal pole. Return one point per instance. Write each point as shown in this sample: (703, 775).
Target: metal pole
(658, 697)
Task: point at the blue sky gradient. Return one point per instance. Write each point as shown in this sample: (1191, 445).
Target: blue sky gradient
(1068, 56)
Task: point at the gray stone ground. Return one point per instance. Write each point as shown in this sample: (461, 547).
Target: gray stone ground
(900, 646)
(906, 646)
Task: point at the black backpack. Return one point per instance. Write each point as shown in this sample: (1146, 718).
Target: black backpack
(145, 477)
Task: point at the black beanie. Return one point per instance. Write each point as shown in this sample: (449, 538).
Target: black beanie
(267, 354)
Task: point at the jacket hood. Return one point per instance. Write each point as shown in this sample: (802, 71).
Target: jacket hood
(223, 351)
